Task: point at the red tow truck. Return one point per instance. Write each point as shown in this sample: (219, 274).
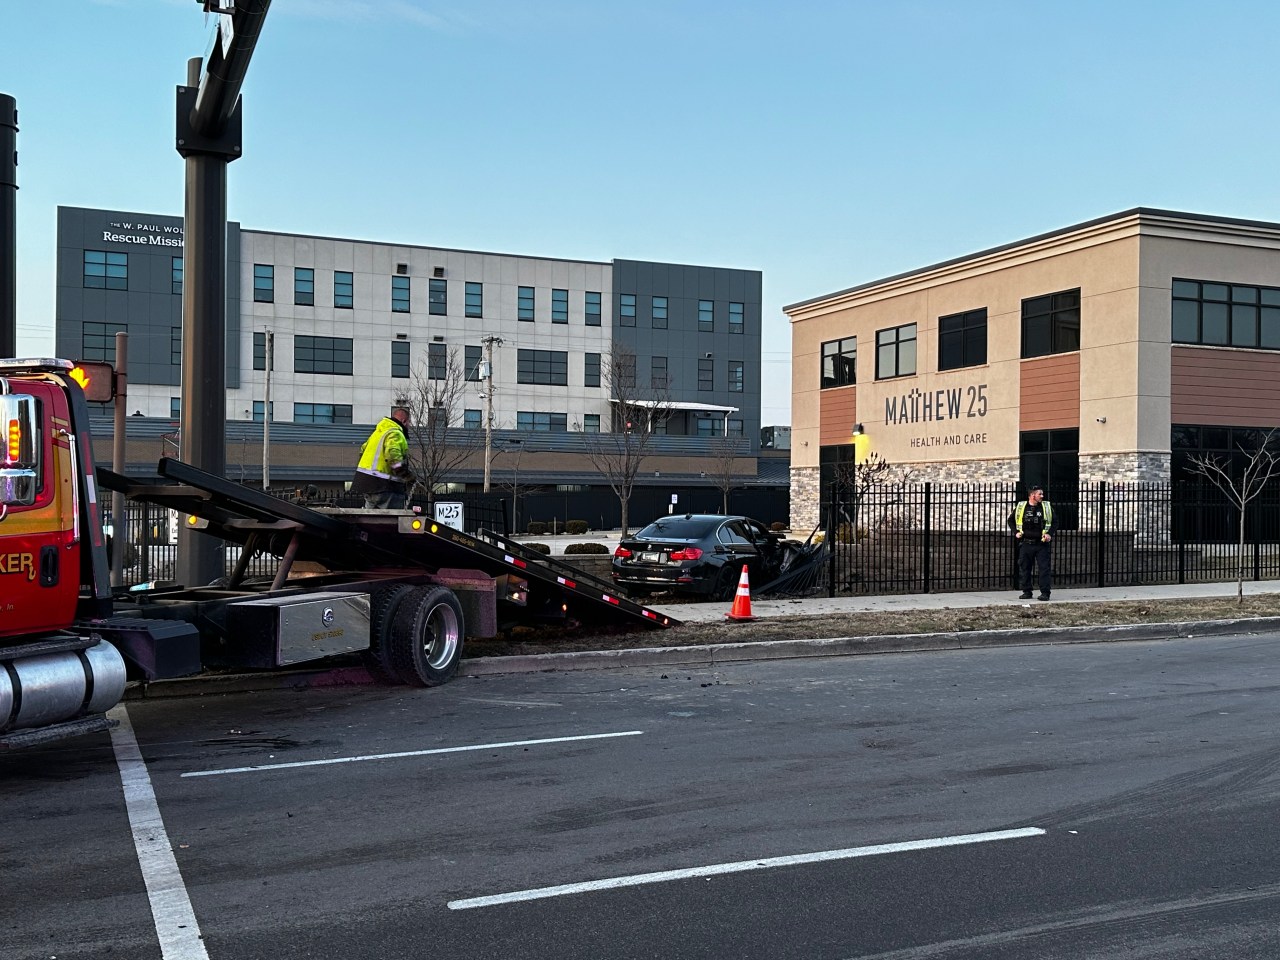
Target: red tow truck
(390, 584)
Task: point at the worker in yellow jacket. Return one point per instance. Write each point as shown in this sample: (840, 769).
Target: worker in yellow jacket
(383, 474)
(1032, 522)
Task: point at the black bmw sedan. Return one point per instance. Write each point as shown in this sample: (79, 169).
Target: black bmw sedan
(697, 554)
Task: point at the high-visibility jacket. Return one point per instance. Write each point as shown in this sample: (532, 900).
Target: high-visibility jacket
(1020, 511)
(385, 453)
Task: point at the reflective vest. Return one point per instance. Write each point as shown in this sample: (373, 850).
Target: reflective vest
(1021, 509)
(385, 452)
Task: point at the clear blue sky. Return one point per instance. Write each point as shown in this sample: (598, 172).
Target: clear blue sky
(826, 144)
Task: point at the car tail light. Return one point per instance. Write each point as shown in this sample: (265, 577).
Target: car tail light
(688, 553)
(622, 552)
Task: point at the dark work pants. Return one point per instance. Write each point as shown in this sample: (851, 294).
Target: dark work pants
(1035, 553)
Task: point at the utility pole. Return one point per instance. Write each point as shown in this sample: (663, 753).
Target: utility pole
(119, 518)
(266, 415)
(488, 342)
(8, 225)
(208, 137)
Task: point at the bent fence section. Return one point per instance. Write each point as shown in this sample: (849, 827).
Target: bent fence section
(936, 538)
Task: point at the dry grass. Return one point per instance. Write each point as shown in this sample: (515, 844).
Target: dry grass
(1004, 616)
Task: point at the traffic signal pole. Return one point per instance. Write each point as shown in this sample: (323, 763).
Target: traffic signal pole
(208, 138)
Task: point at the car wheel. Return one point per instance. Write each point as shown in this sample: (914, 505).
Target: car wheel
(726, 584)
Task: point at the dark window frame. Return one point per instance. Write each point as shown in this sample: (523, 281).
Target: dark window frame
(1248, 314)
(542, 367)
(473, 300)
(706, 375)
(737, 317)
(176, 275)
(264, 283)
(401, 295)
(98, 339)
(737, 375)
(437, 297)
(559, 306)
(1051, 324)
(323, 355)
(591, 370)
(839, 363)
(304, 286)
(658, 312)
(962, 339)
(101, 270)
(322, 412)
(626, 309)
(471, 357)
(886, 348)
(592, 317)
(401, 367)
(344, 290)
(526, 304)
(706, 316)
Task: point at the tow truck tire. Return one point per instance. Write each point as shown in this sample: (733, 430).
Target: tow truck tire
(382, 608)
(427, 630)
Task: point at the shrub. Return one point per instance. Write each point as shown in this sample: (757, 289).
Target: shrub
(597, 548)
(536, 527)
(575, 527)
(542, 548)
(777, 526)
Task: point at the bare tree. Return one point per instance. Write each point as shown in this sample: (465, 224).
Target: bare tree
(434, 398)
(1263, 461)
(724, 460)
(513, 452)
(619, 452)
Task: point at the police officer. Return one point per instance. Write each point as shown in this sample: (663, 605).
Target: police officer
(383, 473)
(1032, 523)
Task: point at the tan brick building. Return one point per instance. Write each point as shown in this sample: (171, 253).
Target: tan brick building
(1107, 350)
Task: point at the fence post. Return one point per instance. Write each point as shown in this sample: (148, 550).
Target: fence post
(831, 542)
(1102, 533)
(1179, 509)
(928, 539)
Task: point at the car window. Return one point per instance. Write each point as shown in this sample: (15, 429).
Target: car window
(735, 533)
(676, 528)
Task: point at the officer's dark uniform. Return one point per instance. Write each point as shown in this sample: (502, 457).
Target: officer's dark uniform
(1036, 522)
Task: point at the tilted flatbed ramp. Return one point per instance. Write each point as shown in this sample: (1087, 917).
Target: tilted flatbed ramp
(379, 540)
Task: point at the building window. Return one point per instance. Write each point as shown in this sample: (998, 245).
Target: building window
(322, 413)
(626, 309)
(175, 276)
(537, 422)
(400, 359)
(840, 362)
(591, 423)
(735, 428)
(322, 355)
(1051, 458)
(344, 289)
(542, 366)
(658, 373)
(257, 411)
(708, 426)
(624, 370)
(175, 346)
(260, 352)
(706, 316)
(706, 375)
(106, 271)
(736, 374)
(658, 310)
(1223, 314)
(175, 408)
(437, 297)
(591, 370)
(736, 315)
(304, 286)
(472, 419)
(896, 352)
(474, 303)
(1051, 324)
(400, 298)
(100, 340)
(559, 306)
(962, 340)
(264, 283)
(437, 361)
(592, 308)
(471, 357)
(524, 304)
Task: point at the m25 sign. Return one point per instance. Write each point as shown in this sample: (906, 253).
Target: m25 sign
(934, 406)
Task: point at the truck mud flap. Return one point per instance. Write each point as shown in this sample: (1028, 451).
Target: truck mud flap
(23, 739)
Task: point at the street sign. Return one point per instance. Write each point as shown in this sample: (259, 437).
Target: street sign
(449, 514)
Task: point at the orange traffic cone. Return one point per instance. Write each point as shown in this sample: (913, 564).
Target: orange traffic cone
(742, 600)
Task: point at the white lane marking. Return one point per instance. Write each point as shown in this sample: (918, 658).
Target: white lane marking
(716, 869)
(410, 753)
(175, 920)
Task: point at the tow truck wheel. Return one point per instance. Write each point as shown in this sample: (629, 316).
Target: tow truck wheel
(382, 608)
(426, 636)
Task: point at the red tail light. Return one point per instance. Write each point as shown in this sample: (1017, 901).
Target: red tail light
(688, 553)
(622, 552)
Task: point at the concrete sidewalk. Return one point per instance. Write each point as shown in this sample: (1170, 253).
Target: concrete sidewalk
(817, 606)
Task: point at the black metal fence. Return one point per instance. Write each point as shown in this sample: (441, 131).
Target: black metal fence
(935, 538)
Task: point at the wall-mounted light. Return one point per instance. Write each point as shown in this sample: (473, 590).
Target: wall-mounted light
(1102, 419)
(857, 430)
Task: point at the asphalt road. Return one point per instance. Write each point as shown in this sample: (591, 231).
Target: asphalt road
(1114, 800)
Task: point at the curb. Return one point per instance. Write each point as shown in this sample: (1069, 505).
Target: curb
(712, 654)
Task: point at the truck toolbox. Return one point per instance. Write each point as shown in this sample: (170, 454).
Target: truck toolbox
(158, 649)
(277, 631)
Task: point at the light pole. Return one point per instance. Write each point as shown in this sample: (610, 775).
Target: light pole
(487, 374)
(266, 414)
